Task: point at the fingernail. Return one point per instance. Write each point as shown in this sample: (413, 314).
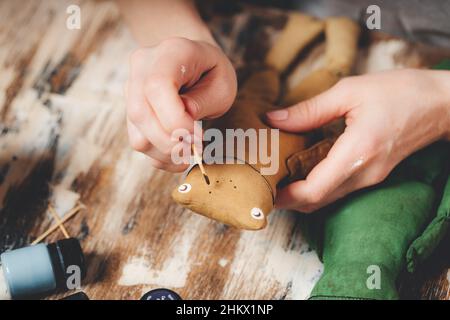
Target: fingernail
(278, 115)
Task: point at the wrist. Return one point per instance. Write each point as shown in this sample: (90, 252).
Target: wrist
(444, 92)
(154, 21)
(441, 101)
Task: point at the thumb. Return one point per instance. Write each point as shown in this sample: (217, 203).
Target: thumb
(312, 113)
(212, 95)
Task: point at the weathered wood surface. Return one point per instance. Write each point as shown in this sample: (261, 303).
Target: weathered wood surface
(63, 139)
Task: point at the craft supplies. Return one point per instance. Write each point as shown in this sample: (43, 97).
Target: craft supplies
(39, 269)
(59, 223)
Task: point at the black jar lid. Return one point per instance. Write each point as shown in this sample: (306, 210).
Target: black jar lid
(63, 254)
(161, 294)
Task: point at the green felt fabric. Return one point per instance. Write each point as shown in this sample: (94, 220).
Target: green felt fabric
(443, 65)
(376, 227)
(424, 245)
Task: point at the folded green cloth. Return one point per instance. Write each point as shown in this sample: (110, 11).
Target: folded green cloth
(372, 235)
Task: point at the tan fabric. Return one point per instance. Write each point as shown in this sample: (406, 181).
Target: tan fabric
(302, 162)
(341, 46)
(342, 36)
(312, 85)
(234, 191)
(300, 30)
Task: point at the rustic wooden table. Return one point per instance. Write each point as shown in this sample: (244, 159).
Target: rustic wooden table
(63, 139)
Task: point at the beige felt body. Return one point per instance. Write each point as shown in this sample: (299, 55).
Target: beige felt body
(341, 45)
(299, 31)
(234, 190)
(342, 36)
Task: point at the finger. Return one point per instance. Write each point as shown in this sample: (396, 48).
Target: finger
(174, 72)
(212, 95)
(168, 106)
(341, 191)
(141, 144)
(141, 115)
(341, 163)
(167, 166)
(312, 113)
(137, 140)
(367, 175)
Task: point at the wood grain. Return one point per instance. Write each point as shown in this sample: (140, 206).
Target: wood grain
(63, 139)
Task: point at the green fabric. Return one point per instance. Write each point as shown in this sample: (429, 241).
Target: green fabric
(375, 227)
(443, 65)
(423, 246)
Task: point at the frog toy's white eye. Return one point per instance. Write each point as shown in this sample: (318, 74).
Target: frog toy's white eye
(257, 213)
(184, 188)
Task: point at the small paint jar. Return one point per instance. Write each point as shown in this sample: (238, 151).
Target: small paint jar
(40, 269)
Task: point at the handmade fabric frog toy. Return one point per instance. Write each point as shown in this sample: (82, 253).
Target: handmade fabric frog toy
(241, 194)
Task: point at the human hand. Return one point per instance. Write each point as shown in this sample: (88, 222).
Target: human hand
(389, 115)
(171, 85)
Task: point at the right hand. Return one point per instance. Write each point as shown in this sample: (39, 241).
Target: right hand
(170, 86)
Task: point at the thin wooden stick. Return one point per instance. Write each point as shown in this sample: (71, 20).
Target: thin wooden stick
(199, 161)
(58, 220)
(69, 215)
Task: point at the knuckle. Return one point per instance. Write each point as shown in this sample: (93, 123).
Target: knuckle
(166, 150)
(379, 176)
(314, 197)
(139, 145)
(158, 164)
(135, 114)
(172, 124)
(306, 209)
(344, 83)
(176, 168)
(154, 84)
(305, 110)
(344, 87)
(178, 44)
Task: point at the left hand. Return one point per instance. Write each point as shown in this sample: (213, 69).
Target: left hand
(389, 115)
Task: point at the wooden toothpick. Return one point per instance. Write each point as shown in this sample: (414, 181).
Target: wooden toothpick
(199, 161)
(58, 220)
(69, 215)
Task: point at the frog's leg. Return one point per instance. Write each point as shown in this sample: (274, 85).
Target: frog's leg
(341, 46)
(300, 30)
